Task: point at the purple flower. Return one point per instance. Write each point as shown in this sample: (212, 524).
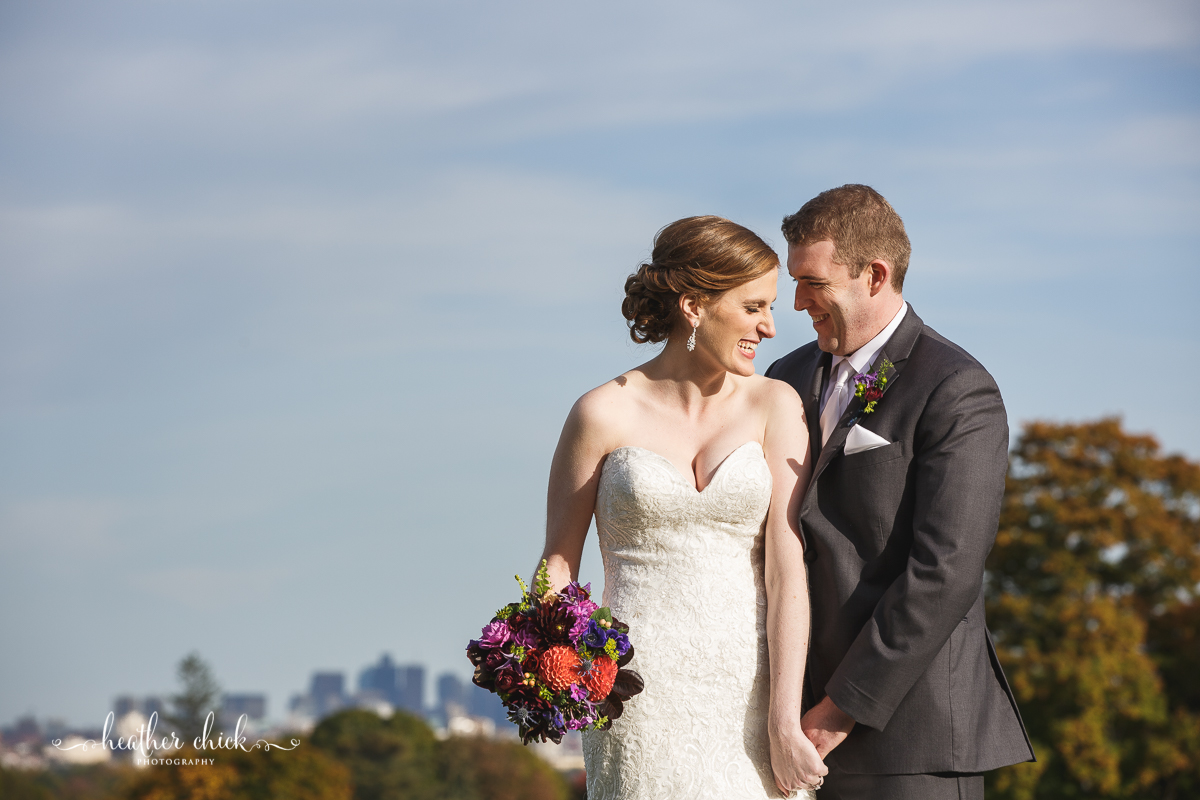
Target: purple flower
(581, 716)
(525, 636)
(577, 692)
(869, 386)
(574, 592)
(580, 596)
(512, 664)
(596, 635)
(495, 633)
(582, 618)
(622, 641)
(578, 603)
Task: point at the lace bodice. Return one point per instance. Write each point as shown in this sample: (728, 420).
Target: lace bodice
(684, 569)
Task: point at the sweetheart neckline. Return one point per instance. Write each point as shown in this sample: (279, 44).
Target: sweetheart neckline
(680, 475)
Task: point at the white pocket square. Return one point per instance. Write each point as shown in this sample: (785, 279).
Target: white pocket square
(861, 439)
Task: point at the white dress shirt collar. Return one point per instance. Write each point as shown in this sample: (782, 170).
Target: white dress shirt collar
(864, 356)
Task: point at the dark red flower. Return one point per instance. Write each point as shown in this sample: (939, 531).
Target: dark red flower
(554, 623)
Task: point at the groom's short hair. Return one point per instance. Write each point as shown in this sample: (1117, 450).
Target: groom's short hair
(860, 223)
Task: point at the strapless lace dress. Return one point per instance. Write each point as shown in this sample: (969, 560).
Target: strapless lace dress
(684, 569)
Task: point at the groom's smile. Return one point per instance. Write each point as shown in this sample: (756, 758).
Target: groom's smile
(826, 291)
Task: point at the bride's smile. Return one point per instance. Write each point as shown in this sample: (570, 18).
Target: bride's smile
(734, 324)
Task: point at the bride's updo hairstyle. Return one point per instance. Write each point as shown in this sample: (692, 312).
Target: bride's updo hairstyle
(698, 256)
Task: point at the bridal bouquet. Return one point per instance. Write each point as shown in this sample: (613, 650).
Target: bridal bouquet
(555, 659)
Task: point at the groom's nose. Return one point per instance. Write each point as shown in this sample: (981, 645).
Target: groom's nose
(801, 300)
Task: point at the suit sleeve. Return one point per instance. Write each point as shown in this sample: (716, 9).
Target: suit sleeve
(960, 455)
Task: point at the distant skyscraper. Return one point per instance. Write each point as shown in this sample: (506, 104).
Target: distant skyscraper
(380, 680)
(450, 691)
(410, 689)
(254, 706)
(328, 692)
(482, 703)
(123, 705)
(147, 706)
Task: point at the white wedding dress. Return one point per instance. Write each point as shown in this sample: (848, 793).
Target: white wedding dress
(684, 569)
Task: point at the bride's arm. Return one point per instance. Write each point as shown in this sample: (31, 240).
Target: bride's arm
(793, 758)
(574, 475)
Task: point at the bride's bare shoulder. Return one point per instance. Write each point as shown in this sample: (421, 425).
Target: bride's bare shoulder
(772, 396)
(602, 412)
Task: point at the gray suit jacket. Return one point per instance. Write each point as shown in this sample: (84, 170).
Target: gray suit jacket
(895, 540)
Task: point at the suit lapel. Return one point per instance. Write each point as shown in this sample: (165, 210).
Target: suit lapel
(896, 350)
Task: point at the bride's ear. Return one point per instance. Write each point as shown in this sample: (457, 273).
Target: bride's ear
(690, 307)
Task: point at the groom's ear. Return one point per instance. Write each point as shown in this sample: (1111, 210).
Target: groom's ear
(878, 275)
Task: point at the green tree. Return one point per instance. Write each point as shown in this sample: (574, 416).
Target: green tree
(16, 784)
(484, 769)
(85, 782)
(1092, 598)
(387, 758)
(400, 758)
(198, 698)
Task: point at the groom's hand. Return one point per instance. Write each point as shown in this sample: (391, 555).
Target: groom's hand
(826, 726)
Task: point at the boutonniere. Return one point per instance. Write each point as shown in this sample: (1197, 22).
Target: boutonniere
(869, 386)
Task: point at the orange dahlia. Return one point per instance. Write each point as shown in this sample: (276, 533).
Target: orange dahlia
(559, 667)
(599, 679)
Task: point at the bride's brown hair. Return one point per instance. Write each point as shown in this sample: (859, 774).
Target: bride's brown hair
(698, 256)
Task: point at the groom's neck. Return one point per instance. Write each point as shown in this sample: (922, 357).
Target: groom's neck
(880, 312)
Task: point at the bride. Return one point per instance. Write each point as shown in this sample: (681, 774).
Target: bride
(694, 468)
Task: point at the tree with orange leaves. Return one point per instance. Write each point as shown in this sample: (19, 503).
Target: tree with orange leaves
(1092, 594)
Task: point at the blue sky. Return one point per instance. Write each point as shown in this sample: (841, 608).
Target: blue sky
(294, 297)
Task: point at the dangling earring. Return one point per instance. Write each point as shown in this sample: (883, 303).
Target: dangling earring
(691, 342)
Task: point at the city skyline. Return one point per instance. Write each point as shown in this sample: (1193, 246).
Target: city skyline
(407, 692)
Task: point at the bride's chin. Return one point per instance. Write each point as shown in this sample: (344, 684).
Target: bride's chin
(745, 369)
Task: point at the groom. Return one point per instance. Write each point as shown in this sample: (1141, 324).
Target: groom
(901, 512)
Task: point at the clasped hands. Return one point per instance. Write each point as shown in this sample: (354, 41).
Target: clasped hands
(800, 758)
